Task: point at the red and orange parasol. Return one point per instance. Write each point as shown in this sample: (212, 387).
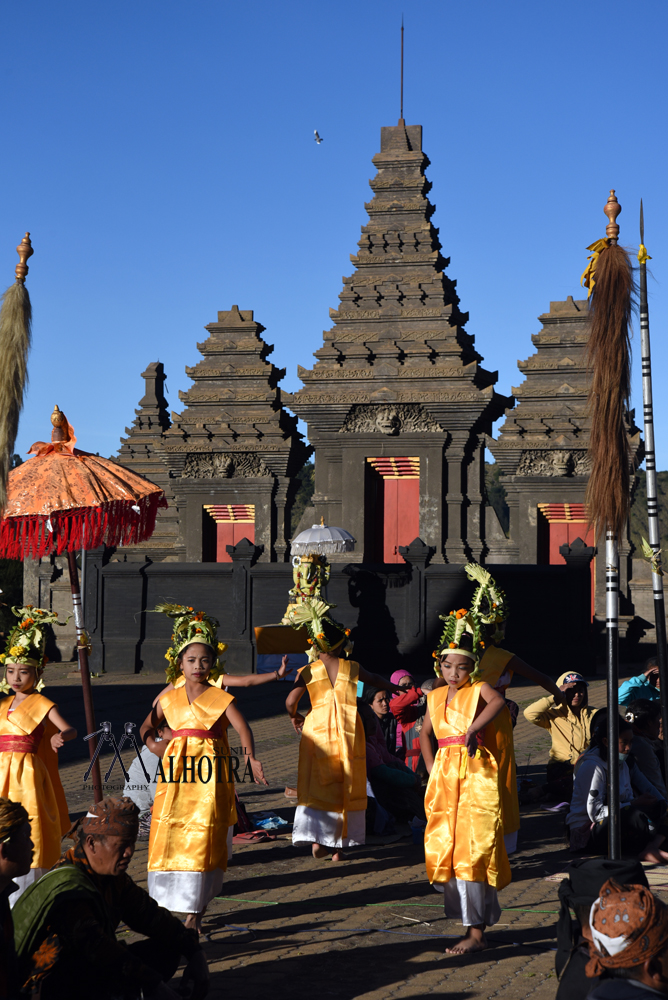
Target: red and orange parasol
(65, 499)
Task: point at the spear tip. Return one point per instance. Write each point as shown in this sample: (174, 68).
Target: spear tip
(642, 224)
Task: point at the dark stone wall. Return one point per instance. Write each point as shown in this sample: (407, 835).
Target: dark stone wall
(392, 609)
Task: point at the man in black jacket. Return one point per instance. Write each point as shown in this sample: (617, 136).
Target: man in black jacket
(16, 851)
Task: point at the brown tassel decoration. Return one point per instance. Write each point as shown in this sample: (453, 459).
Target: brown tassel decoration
(611, 284)
(15, 335)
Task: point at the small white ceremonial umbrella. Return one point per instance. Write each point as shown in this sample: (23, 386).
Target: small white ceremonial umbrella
(322, 539)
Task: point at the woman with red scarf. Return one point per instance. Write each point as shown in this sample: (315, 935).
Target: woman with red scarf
(408, 709)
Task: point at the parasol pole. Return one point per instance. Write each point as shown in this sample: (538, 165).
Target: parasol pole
(82, 650)
(609, 277)
(652, 487)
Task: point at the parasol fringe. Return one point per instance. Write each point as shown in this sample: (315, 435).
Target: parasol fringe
(608, 355)
(107, 524)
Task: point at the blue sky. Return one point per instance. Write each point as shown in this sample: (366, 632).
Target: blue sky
(162, 156)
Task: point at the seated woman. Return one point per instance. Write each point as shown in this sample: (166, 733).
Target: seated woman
(408, 708)
(393, 784)
(645, 717)
(640, 809)
(378, 700)
(646, 684)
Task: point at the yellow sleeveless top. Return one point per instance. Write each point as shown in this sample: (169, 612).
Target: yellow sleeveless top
(332, 751)
(24, 777)
(194, 805)
(464, 835)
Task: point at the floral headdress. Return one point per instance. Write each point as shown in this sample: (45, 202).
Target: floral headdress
(324, 633)
(489, 609)
(27, 641)
(191, 626)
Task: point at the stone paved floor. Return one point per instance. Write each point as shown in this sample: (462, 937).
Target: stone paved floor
(370, 927)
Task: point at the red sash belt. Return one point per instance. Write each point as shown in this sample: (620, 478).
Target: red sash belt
(201, 734)
(22, 744)
(457, 741)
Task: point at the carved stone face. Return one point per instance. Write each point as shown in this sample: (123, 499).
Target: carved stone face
(388, 422)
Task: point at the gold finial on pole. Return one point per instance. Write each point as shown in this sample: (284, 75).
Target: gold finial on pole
(24, 250)
(612, 210)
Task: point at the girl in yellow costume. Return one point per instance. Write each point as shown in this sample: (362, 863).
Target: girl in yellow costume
(486, 623)
(31, 731)
(331, 786)
(194, 811)
(463, 844)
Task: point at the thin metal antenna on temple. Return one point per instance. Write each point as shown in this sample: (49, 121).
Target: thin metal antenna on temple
(401, 117)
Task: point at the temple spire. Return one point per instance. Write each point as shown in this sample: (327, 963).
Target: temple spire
(401, 102)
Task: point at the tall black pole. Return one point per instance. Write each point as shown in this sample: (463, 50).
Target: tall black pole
(612, 634)
(652, 488)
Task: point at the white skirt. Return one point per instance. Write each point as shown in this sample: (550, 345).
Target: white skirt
(314, 826)
(188, 892)
(510, 841)
(473, 903)
(23, 881)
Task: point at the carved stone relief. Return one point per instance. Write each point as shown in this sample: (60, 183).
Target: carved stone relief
(390, 420)
(553, 463)
(224, 466)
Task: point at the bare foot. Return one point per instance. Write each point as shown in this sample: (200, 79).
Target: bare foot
(319, 852)
(194, 922)
(339, 856)
(473, 940)
(653, 853)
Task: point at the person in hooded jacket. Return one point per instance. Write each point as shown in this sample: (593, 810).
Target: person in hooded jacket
(569, 725)
(641, 805)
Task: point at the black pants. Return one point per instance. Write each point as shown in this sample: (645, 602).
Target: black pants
(634, 828)
(73, 979)
(402, 801)
(559, 774)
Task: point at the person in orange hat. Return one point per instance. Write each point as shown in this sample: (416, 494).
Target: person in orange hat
(629, 943)
(65, 924)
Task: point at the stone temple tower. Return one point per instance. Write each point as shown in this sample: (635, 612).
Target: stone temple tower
(397, 404)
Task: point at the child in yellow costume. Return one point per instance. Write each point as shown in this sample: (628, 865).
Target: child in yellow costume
(331, 786)
(31, 732)
(463, 844)
(485, 621)
(194, 811)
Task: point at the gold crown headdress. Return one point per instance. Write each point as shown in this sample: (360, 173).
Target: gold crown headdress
(27, 641)
(324, 633)
(191, 626)
(489, 609)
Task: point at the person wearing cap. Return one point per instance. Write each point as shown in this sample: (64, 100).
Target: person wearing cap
(65, 924)
(16, 851)
(569, 725)
(331, 776)
(578, 891)
(629, 943)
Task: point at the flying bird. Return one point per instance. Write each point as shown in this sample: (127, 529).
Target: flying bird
(317, 137)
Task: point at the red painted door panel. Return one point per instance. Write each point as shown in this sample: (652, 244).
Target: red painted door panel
(401, 516)
(231, 533)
